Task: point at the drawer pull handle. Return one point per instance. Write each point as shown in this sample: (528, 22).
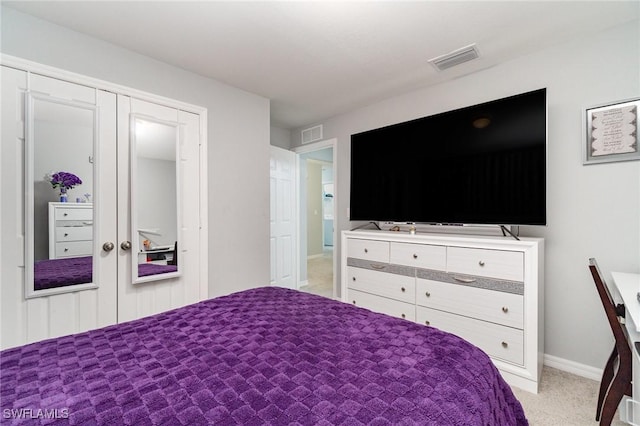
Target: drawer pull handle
(66, 235)
(403, 289)
(403, 316)
(505, 345)
(377, 266)
(427, 322)
(464, 280)
(66, 249)
(481, 263)
(354, 278)
(354, 302)
(366, 251)
(65, 214)
(505, 309)
(427, 294)
(415, 256)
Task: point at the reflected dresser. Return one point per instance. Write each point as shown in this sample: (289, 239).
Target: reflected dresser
(70, 230)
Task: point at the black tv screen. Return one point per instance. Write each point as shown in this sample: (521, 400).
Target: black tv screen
(483, 164)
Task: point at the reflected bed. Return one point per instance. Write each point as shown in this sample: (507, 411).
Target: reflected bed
(63, 272)
(262, 356)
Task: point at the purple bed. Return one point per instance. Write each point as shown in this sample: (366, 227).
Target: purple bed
(262, 356)
(78, 270)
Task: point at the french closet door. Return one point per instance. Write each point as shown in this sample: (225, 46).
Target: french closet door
(50, 125)
(175, 191)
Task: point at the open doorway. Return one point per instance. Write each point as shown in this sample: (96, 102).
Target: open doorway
(317, 206)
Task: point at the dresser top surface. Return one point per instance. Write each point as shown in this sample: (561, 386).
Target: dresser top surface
(71, 205)
(485, 241)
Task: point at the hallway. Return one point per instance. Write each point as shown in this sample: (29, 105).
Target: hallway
(320, 274)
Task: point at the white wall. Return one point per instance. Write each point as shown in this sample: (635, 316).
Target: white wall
(280, 137)
(593, 211)
(238, 123)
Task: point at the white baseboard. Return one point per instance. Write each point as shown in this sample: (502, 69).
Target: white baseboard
(573, 367)
(303, 283)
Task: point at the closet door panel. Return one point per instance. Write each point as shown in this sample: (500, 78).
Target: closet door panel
(12, 94)
(89, 308)
(164, 298)
(128, 307)
(105, 213)
(63, 314)
(156, 111)
(37, 325)
(48, 315)
(137, 297)
(196, 289)
(62, 89)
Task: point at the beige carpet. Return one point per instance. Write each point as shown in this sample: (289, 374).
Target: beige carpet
(320, 275)
(564, 399)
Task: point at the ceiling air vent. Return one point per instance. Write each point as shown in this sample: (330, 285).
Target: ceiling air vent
(312, 134)
(456, 57)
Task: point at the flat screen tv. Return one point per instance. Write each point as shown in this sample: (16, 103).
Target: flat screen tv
(483, 164)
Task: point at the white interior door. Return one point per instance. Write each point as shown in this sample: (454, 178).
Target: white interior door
(161, 208)
(283, 223)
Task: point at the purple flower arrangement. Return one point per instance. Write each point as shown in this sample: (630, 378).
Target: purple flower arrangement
(63, 180)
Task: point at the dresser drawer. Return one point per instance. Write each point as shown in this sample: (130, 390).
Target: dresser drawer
(377, 251)
(74, 233)
(74, 213)
(398, 287)
(498, 341)
(507, 265)
(487, 305)
(383, 305)
(74, 249)
(419, 255)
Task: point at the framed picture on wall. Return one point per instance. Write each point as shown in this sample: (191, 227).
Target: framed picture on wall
(611, 132)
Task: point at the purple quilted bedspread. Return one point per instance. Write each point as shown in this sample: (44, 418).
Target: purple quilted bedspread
(263, 356)
(78, 270)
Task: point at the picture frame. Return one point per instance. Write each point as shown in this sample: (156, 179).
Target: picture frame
(611, 132)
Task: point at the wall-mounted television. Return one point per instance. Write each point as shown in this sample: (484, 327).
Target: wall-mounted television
(483, 164)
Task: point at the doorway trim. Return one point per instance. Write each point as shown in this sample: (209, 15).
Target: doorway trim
(304, 149)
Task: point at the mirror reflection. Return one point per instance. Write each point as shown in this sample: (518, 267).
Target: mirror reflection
(154, 198)
(60, 165)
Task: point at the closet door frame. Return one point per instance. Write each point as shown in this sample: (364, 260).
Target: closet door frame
(21, 334)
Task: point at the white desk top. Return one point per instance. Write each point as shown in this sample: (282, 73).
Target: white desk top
(628, 286)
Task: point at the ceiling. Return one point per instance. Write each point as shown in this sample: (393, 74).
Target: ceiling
(314, 60)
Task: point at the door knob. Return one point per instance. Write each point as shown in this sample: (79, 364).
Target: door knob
(108, 246)
(125, 245)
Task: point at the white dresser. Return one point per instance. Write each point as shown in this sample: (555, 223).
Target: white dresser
(487, 290)
(70, 230)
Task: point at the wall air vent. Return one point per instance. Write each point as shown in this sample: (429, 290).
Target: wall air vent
(456, 57)
(312, 134)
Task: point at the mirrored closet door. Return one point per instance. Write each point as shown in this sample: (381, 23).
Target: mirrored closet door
(158, 160)
(101, 207)
(58, 151)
